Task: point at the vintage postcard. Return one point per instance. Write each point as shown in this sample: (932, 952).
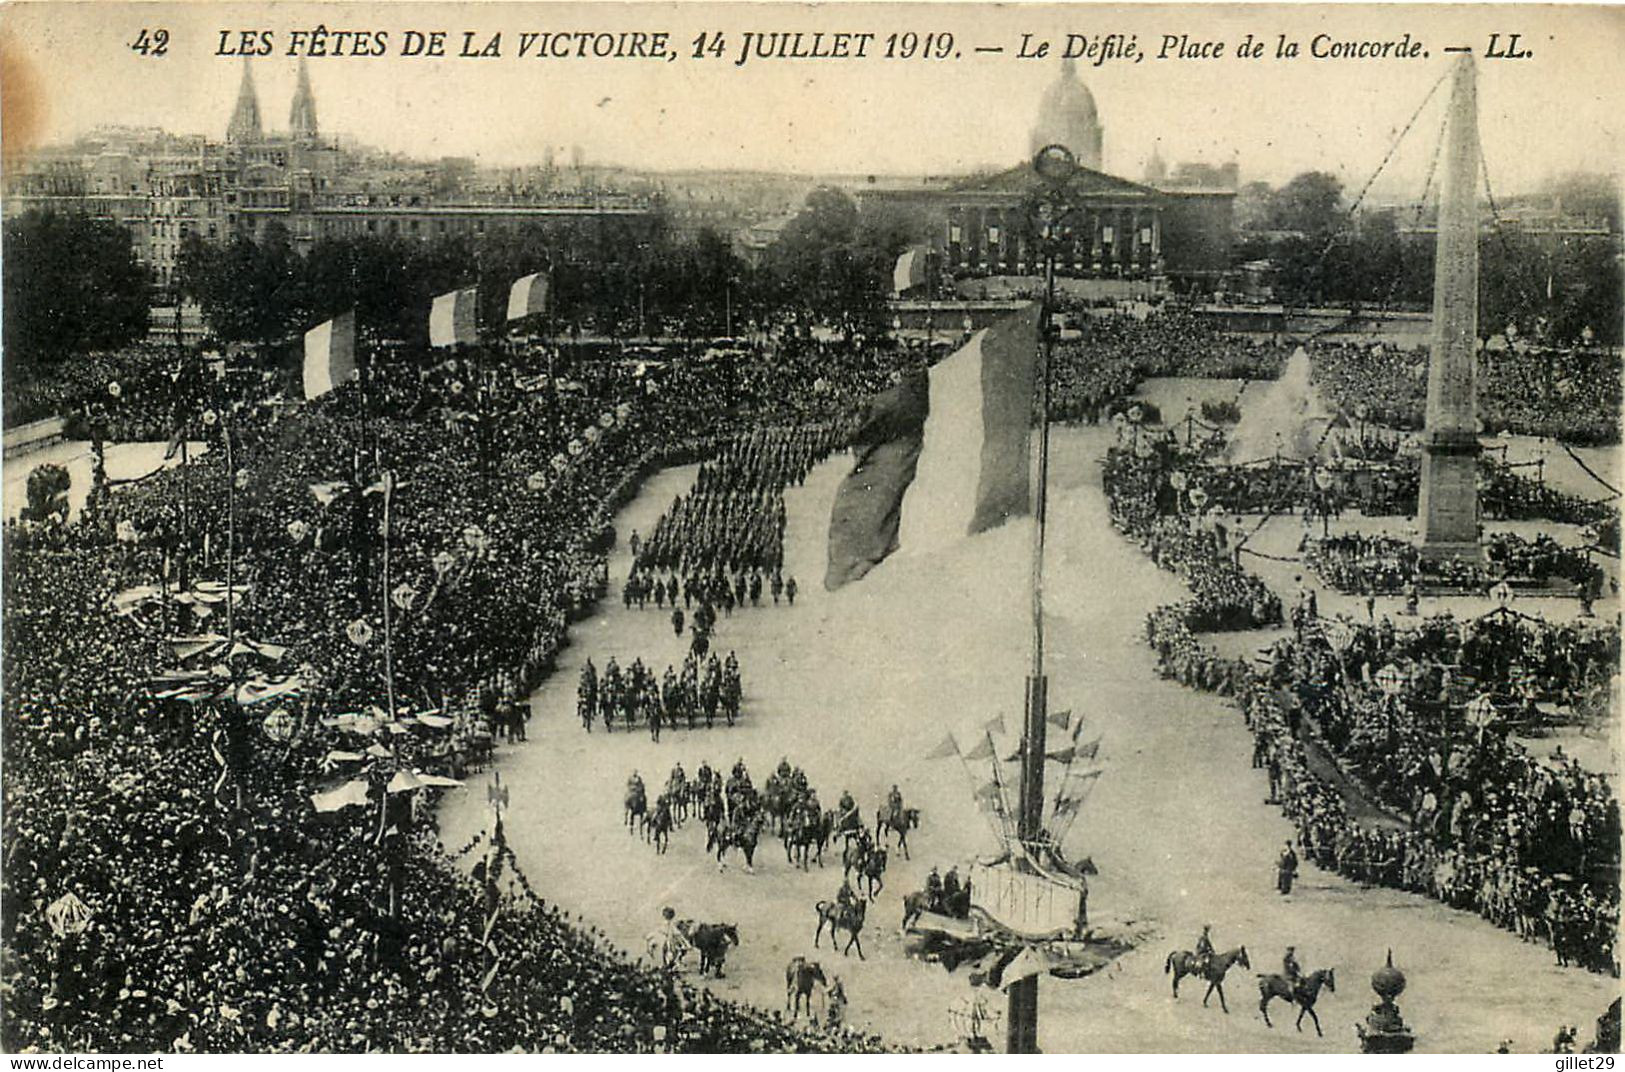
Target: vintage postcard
(824, 528)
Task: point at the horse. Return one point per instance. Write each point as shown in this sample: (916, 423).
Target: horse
(899, 824)
(870, 871)
(915, 905)
(854, 852)
(1303, 994)
(1182, 963)
(800, 976)
(741, 834)
(847, 824)
(777, 800)
(713, 940)
(657, 825)
(840, 917)
(677, 793)
(636, 805)
(667, 951)
(808, 830)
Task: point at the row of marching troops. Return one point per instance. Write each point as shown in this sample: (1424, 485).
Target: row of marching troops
(732, 521)
(678, 698)
(713, 588)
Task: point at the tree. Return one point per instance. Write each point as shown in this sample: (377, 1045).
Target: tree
(1311, 203)
(72, 285)
(827, 267)
(249, 291)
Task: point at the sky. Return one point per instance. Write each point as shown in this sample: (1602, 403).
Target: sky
(66, 68)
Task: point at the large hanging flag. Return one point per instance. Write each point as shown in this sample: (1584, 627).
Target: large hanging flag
(528, 296)
(909, 272)
(452, 318)
(942, 455)
(329, 354)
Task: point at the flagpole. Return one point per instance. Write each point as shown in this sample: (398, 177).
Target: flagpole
(389, 666)
(1056, 165)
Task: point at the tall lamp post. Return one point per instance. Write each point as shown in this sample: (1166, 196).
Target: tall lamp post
(1056, 166)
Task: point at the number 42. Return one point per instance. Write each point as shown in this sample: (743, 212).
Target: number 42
(151, 42)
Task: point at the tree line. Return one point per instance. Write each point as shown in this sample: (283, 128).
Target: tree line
(1546, 286)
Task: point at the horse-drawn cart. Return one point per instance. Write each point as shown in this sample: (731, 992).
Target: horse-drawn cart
(1022, 923)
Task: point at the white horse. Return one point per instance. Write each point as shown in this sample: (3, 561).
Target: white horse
(668, 950)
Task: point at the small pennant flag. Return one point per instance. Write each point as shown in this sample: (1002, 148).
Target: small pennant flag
(995, 725)
(452, 318)
(527, 296)
(982, 750)
(1064, 755)
(947, 747)
(329, 354)
(496, 793)
(1060, 719)
(1087, 751)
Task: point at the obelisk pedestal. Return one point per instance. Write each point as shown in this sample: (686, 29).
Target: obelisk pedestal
(1448, 508)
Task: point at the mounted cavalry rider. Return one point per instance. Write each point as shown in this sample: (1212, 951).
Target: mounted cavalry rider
(846, 814)
(951, 890)
(894, 803)
(933, 891)
(845, 897)
(1290, 968)
(1204, 950)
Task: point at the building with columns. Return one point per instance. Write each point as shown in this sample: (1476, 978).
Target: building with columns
(984, 226)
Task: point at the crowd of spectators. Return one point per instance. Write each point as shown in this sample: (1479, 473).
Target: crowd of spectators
(1379, 564)
(191, 866)
(1569, 394)
(1223, 595)
(1090, 378)
(1531, 844)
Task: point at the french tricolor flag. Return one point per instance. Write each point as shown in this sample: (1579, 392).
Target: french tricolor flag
(329, 354)
(942, 455)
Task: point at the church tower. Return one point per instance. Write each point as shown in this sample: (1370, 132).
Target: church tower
(244, 128)
(302, 116)
(1067, 116)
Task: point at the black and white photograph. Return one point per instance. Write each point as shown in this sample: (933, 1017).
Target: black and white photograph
(766, 528)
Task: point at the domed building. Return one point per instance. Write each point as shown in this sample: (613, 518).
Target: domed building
(1125, 238)
(1067, 116)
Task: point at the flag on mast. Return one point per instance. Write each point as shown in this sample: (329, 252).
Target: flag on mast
(942, 455)
(909, 272)
(528, 296)
(452, 318)
(329, 354)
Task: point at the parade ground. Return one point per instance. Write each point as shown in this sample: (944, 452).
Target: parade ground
(857, 686)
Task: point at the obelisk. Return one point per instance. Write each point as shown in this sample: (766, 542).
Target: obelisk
(1449, 502)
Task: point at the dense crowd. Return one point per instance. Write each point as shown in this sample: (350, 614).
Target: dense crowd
(1570, 394)
(1531, 845)
(79, 389)
(1091, 378)
(1374, 564)
(218, 834)
(1223, 595)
